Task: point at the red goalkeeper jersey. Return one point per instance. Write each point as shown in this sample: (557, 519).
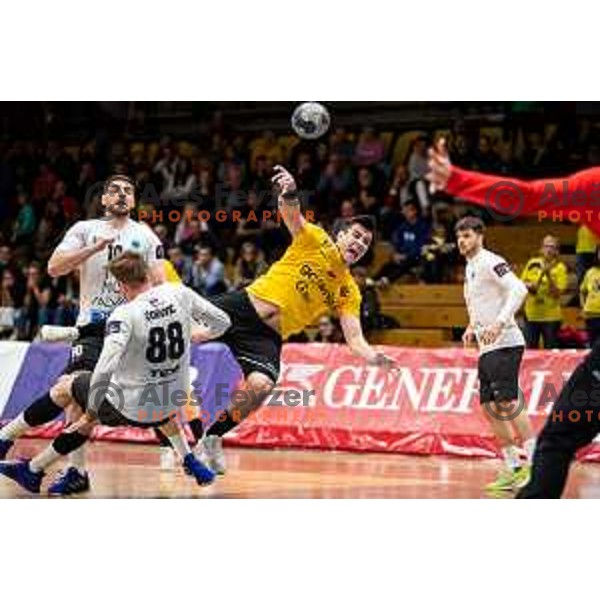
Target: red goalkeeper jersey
(570, 199)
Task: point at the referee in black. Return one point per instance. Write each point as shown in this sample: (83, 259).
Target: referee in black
(573, 424)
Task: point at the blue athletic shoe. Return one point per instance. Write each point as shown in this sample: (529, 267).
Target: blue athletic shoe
(5, 446)
(19, 471)
(69, 483)
(198, 470)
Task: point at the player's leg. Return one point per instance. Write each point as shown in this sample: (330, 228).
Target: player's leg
(76, 480)
(499, 392)
(573, 424)
(43, 410)
(175, 435)
(30, 473)
(257, 386)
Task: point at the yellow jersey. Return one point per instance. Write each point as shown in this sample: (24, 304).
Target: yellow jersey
(309, 281)
(170, 272)
(543, 307)
(591, 287)
(586, 241)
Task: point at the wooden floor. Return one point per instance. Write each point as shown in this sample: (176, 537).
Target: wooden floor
(131, 471)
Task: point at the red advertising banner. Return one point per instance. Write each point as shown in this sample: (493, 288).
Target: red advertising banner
(430, 407)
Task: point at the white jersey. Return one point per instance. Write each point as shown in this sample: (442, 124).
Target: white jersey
(99, 292)
(494, 294)
(146, 353)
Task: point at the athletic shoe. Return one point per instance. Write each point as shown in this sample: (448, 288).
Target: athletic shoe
(69, 483)
(503, 483)
(198, 470)
(5, 446)
(19, 471)
(210, 451)
(167, 459)
(521, 477)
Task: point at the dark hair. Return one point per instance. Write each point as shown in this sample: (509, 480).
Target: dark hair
(366, 221)
(470, 224)
(118, 177)
(129, 268)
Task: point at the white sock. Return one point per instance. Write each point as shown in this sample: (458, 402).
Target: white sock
(77, 459)
(529, 447)
(44, 459)
(510, 454)
(16, 428)
(180, 445)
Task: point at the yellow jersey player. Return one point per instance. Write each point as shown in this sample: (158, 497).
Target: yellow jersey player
(311, 279)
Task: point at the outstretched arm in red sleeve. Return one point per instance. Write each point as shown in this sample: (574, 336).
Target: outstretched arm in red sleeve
(575, 198)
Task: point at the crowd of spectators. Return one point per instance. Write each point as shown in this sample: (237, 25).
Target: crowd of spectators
(46, 187)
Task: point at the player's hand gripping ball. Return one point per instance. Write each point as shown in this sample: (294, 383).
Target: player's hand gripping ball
(311, 120)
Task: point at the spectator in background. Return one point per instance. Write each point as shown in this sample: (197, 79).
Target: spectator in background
(335, 183)
(408, 241)
(44, 183)
(180, 181)
(486, 159)
(590, 299)
(36, 302)
(50, 229)
(546, 278)
(587, 243)
(68, 204)
(25, 225)
(196, 233)
(5, 258)
(347, 212)
(206, 275)
(370, 308)
(87, 178)
(368, 194)
(370, 149)
(248, 266)
(260, 175)
(340, 144)
(418, 165)
(437, 256)
(329, 331)
(249, 225)
(162, 233)
(178, 260)
(9, 306)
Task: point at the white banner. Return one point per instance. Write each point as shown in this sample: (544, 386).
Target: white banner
(12, 355)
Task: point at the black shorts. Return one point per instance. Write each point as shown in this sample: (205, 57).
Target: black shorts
(86, 351)
(499, 374)
(108, 414)
(255, 345)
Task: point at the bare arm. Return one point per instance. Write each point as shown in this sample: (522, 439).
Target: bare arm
(63, 262)
(289, 200)
(359, 346)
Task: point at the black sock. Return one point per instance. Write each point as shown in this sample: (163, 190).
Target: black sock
(220, 427)
(162, 438)
(66, 443)
(197, 428)
(42, 411)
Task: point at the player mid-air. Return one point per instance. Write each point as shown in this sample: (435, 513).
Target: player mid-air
(88, 246)
(311, 279)
(564, 434)
(141, 378)
(494, 294)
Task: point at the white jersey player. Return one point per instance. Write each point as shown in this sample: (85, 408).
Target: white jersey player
(494, 294)
(142, 376)
(88, 247)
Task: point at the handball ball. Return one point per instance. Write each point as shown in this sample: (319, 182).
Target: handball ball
(311, 120)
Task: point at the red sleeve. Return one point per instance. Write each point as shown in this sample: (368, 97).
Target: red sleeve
(575, 198)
